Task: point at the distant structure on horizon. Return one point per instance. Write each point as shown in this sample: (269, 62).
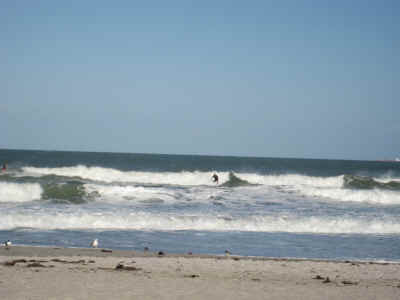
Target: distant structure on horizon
(397, 159)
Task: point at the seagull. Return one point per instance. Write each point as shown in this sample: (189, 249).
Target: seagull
(7, 244)
(95, 243)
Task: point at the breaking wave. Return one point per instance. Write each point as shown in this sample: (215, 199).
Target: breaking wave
(147, 221)
(367, 183)
(108, 175)
(70, 192)
(80, 184)
(235, 181)
(19, 192)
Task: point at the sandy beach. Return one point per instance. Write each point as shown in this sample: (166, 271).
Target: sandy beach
(77, 273)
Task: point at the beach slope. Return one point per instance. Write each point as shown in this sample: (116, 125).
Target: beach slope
(73, 273)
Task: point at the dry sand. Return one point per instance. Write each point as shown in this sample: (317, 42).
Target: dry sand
(72, 273)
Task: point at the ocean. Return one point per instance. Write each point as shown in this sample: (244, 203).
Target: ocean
(274, 207)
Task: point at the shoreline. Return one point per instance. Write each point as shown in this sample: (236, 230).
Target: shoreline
(36, 272)
(50, 251)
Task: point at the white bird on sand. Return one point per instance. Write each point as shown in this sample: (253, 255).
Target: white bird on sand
(95, 243)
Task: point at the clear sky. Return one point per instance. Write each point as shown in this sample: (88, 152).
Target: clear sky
(307, 79)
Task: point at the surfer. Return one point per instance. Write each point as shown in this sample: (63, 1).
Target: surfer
(215, 178)
(4, 167)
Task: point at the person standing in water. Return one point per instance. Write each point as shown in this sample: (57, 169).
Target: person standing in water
(215, 178)
(4, 168)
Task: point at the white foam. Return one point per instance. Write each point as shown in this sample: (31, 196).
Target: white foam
(145, 195)
(387, 179)
(375, 196)
(19, 192)
(112, 175)
(147, 221)
(293, 180)
(327, 188)
(116, 193)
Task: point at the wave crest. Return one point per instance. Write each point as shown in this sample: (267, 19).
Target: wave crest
(109, 175)
(367, 183)
(235, 181)
(148, 221)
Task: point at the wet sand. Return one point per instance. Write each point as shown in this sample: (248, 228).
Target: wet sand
(76, 273)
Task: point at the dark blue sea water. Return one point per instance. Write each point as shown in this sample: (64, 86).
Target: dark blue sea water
(278, 207)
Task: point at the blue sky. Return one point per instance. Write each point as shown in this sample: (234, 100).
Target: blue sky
(308, 79)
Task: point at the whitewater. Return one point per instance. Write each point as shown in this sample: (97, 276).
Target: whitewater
(266, 207)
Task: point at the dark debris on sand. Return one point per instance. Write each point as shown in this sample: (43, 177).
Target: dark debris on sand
(192, 276)
(81, 261)
(121, 267)
(15, 261)
(37, 265)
